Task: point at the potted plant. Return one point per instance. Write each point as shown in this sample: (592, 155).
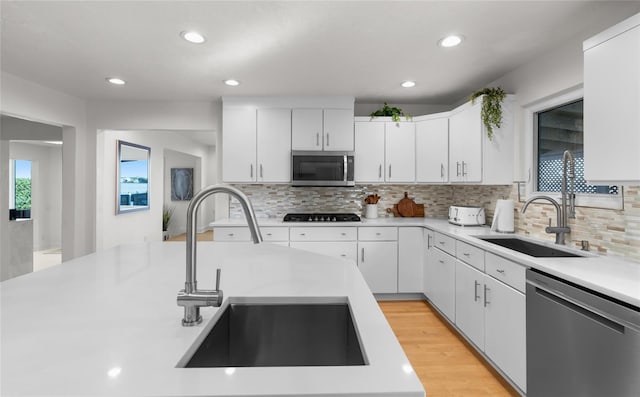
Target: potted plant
(388, 111)
(491, 107)
(167, 213)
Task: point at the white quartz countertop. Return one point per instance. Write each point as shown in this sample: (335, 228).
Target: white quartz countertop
(607, 274)
(107, 324)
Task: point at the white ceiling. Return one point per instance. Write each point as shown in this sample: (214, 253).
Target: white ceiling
(359, 48)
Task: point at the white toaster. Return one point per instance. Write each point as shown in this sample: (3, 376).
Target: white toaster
(466, 216)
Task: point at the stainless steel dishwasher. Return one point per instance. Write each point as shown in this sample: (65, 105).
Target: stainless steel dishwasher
(579, 342)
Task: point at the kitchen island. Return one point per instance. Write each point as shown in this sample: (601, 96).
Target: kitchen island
(108, 324)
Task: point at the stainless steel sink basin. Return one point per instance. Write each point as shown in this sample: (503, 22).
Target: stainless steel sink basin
(529, 248)
(277, 334)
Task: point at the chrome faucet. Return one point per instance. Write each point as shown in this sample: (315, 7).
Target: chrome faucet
(561, 228)
(191, 298)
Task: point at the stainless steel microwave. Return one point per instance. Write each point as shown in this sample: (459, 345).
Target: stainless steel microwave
(322, 168)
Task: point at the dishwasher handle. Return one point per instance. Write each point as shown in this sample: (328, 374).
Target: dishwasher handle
(604, 321)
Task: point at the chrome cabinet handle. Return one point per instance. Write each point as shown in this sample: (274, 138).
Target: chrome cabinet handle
(317, 139)
(218, 273)
(457, 168)
(230, 234)
(327, 139)
(269, 234)
(380, 171)
(486, 301)
(362, 256)
(428, 241)
(466, 254)
(303, 234)
(475, 290)
(464, 172)
(251, 170)
(441, 242)
(343, 234)
(441, 261)
(389, 170)
(441, 170)
(261, 171)
(501, 271)
(343, 255)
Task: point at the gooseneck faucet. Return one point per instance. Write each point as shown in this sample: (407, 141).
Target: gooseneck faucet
(561, 228)
(191, 298)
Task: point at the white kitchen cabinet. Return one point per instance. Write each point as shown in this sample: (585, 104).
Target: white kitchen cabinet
(432, 150)
(611, 103)
(239, 144)
(473, 157)
(443, 283)
(369, 152)
(340, 242)
(270, 234)
(318, 129)
(273, 147)
(428, 266)
(256, 145)
(378, 263)
(470, 302)
(378, 258)
(505, 330)
(400, 160)
(410, 259)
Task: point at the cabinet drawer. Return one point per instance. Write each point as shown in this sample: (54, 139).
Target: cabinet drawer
(445, 243)
(506, 271)
(377, 233)
(235, 233)
(273, 233)
(471, 255)
(340, 249)
(320, 233)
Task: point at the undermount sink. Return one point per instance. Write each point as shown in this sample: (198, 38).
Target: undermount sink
(284, 334)
(529, 248)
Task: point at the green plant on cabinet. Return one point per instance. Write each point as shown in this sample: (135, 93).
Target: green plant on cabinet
(491, 107)
(388, 111)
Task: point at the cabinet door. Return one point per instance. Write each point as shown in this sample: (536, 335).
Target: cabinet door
(338, 129)
(505, 332)
(611, 103)
(306, 129)
(428, 272)
(400, 156)
(378, 263)
(465, 145)
(469, 302)
(432, 150)
(336, 249)
(274, 145)
(369, 152)
(239, 145)
(410, 259)
(444, 283)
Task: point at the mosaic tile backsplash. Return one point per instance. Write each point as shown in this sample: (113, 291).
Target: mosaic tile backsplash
(608, 231)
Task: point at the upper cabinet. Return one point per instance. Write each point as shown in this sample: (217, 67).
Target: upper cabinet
(322, 129)
(256, 145)
(473, 156)
(611, 103)
(432, 150)
(384, 152)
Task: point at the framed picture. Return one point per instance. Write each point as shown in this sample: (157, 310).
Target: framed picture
(132, 177)
(181, 184)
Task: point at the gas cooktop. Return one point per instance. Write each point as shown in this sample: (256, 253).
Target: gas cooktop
(321, 217)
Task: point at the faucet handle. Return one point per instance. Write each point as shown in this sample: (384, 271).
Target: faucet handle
(218, 271)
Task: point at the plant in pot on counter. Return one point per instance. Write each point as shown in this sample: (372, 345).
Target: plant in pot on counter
(167, 213)
(388, 111)
(491, 107)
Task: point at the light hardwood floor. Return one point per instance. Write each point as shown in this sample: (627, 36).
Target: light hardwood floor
(445, 363)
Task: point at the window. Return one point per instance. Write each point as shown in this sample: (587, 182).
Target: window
(558, 129)
(20, 188)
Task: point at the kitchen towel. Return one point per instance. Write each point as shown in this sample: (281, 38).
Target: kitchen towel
(503, 217)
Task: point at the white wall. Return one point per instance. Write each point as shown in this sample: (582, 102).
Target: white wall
(139, 226)
(153, 117)
(174, 159)
(46, 192)
(28, 100)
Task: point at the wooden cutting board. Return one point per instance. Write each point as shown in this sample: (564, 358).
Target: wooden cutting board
(407, 207)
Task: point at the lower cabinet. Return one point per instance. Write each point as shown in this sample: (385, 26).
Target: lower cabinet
(378, 258)
(333, 241)
(441, 268)
(492, 315)
(270, 234)
(410, 259)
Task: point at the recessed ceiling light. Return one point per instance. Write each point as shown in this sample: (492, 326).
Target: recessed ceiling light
(116, 81)
(193, 37)
(408, 84)
(232, 82)
(450, 41)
